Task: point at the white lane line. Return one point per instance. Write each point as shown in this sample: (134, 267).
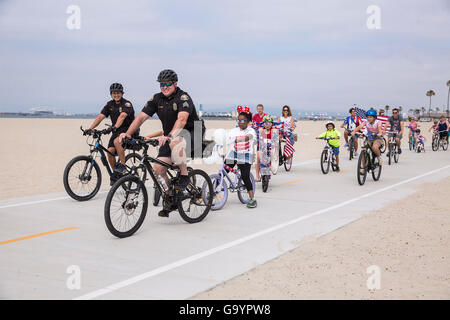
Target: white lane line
(38, 201)
(234, 243)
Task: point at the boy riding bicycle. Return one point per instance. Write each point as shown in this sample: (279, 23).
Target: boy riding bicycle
(334, 142)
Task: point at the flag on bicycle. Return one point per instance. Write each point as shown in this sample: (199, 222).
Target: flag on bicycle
(288, 148)
(360, 113)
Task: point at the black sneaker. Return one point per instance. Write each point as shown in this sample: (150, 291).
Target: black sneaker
(120, 169)
(399, 151)
(182, 182)
(112, 180)
(164, 213)
(337, 169)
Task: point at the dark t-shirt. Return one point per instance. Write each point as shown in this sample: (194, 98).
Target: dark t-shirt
(167, 109)
(395, 123)
(113, 109)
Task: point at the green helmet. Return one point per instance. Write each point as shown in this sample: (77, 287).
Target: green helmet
(267, 118)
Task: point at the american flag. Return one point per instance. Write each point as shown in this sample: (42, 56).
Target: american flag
(384, 119)
(288, 148)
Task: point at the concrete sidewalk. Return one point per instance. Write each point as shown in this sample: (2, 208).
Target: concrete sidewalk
(170, 259)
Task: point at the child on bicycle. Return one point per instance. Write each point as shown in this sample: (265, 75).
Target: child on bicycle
(413, 125)
(267, 134)
(334, 142)
(242, 138)
(374, 133)
(420, 137)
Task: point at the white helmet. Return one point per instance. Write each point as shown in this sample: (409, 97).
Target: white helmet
(330, 122)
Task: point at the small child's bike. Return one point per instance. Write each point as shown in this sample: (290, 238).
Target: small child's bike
(367, 162)
(327, 157)
(235, 184)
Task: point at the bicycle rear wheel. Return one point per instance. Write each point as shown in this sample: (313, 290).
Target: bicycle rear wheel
(126, 206)
(362, 168)
(324, 163)
(220, 192)
(82, 178)
(242, 192)
(383, 146)
(195, 202)
(390, 153)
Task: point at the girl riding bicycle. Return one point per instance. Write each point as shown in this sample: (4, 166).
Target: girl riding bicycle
(242, 139)
(374, 133)
(413, 125)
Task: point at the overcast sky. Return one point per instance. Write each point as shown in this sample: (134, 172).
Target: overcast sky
(312, 55)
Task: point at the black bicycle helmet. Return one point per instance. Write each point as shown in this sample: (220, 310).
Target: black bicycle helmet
(116, 87)
(167, 75)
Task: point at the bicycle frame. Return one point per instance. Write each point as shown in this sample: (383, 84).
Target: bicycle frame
(233, 185)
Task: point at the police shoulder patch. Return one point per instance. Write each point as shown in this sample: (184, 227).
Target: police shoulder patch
(184, 97)
(127, 104)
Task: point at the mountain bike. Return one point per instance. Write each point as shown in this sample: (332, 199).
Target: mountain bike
(392, 147)
(439, 141)
(328, 158)
(235, 184)
(367, 162)
(82, 176)
(127, 201)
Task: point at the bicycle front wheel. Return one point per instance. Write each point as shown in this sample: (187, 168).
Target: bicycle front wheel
(265, 183)
(444, 144)
(362, 168)
(383, 146)
(396, 155)
(376, 170)
(220, 192)
(82, 178)
(195, 202)
(435, 144)
(324, 162)
(126, 206)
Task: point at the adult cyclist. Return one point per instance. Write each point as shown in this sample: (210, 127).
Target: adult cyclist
(374, 133)
(121, 112)
(350, 124)
(397, 124)
(176, 111)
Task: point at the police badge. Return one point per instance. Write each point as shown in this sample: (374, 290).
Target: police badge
(175, 107)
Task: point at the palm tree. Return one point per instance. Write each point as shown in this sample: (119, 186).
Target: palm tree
(448, 97)
(430, 93)
(400, 109)
(387, 109)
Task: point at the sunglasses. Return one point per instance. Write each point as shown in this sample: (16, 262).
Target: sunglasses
(394, 112)
(242, 121)
(286, 110)
(165, 84)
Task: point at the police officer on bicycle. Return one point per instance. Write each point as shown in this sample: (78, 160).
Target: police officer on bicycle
(121, 112)
(176, 111)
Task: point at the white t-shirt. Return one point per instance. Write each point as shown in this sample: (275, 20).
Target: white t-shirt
(241, 150)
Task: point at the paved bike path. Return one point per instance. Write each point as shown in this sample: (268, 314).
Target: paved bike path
(170, 259)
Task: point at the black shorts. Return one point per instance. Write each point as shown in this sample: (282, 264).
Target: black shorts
(165, 150)
(117, 133)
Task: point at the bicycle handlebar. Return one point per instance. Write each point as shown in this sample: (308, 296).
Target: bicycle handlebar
(140, 141)
(95, 133)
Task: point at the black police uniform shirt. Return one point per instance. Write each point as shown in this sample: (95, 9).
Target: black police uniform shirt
(114, 109)
(167, 109)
